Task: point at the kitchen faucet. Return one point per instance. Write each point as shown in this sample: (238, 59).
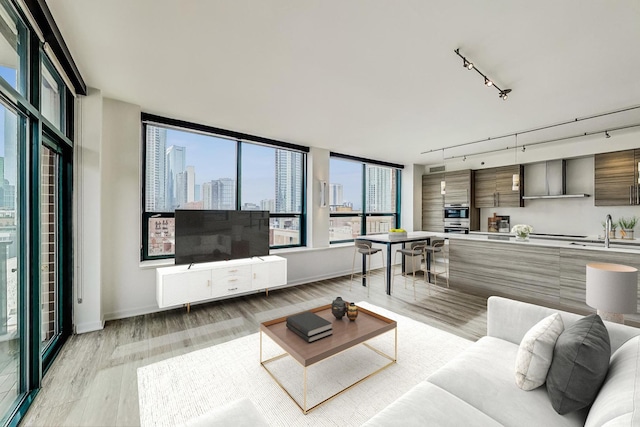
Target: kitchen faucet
(607, 229)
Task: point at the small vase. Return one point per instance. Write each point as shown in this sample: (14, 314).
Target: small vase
(522, 238)
(338, 308)
(352, 311)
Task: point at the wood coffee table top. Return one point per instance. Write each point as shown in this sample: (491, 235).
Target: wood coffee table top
(346, 334)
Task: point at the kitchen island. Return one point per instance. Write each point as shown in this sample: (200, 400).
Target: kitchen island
(548, 271)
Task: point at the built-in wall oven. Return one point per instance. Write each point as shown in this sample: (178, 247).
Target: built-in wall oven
(456, 212)
(456, 218)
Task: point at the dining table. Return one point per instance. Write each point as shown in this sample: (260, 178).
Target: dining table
(388, 240)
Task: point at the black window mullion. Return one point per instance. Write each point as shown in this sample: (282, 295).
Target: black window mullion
(238, 175)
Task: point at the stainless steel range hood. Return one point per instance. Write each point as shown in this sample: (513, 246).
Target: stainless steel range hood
(556, 182)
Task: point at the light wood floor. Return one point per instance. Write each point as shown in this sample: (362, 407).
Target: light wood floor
(93, 381)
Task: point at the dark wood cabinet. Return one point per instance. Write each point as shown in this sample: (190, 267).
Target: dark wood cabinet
(493, 187)
(616, 182)
(432, 203)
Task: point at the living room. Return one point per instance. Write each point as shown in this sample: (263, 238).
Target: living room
(376, 81)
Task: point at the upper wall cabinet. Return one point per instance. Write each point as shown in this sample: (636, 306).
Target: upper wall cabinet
(616, 178)
(432, 203)
(458, 187)
(493, 187)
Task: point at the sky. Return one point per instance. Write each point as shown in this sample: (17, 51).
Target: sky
(215, 158)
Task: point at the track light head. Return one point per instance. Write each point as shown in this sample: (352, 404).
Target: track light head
(488, 82)
(523, 148)
(503, 94)
(464, 158)
(606, 134)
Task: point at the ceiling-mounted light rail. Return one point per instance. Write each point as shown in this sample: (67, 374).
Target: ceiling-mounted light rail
(604, 132)
(487, 81)
(522, 132)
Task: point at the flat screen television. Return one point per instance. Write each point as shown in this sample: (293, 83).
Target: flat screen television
(216, 235)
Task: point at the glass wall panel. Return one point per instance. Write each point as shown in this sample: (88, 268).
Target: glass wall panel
(344, 227)
(381, 189)
(51, 95)
(13, 49)
(188, 170)
(10, 304)
(345, 185)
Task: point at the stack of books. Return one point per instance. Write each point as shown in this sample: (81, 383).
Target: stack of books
(309, 326)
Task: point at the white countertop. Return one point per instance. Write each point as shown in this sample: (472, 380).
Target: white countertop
(588, 243)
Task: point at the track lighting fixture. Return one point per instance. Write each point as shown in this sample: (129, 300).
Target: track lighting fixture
(487, 81)
(464, 159)
(523, 148)
(606, 134)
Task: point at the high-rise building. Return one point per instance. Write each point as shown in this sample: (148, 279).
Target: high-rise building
(379, 189)
(336, 197)
(268, 205)
(175, 164)
(181, 189)
(219, 194)
(191, 184)
(288, 181)
(155, 186)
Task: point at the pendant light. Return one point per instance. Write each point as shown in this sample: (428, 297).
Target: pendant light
(515, 179)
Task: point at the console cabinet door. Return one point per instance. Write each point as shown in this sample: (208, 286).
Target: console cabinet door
(185, 287)
(615, 178)
(432, 203)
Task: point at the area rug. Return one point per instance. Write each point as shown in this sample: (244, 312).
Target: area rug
(178, 389)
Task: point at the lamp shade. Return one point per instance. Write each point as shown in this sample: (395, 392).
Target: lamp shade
(612, 288)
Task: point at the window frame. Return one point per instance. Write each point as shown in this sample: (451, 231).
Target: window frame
(363, 214)
(240, 139)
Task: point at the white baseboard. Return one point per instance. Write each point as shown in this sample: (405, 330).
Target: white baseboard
(82, 328)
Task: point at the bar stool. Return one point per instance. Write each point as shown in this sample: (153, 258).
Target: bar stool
(437, 254)
(416, 252)
(364, 247)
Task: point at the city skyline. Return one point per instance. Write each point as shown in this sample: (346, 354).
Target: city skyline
(193, 161)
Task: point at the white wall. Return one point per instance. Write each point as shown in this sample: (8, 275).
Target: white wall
(115, 283)
(87, 304)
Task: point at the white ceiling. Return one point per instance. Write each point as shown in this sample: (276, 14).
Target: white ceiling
(371, 78)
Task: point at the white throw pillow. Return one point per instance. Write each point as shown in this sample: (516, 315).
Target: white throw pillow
(536, 352)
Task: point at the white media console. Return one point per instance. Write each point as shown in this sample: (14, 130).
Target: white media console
(184, 284)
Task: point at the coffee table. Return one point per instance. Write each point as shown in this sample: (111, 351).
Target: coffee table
(346, 335)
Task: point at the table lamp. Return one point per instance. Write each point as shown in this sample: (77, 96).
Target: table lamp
(612, 289)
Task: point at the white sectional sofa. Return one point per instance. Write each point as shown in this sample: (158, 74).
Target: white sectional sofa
(478, 388)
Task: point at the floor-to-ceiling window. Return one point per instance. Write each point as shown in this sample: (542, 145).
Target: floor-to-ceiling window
(36, 169)
(363, 197)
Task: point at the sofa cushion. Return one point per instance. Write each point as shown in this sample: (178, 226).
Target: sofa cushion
(619, 399)
(428, 405)
(536, 351)
(579, 366)
(482, 376)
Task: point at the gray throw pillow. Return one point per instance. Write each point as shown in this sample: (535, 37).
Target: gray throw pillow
(579, 366)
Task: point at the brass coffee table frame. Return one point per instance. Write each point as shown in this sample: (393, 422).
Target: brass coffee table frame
(346, 335)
